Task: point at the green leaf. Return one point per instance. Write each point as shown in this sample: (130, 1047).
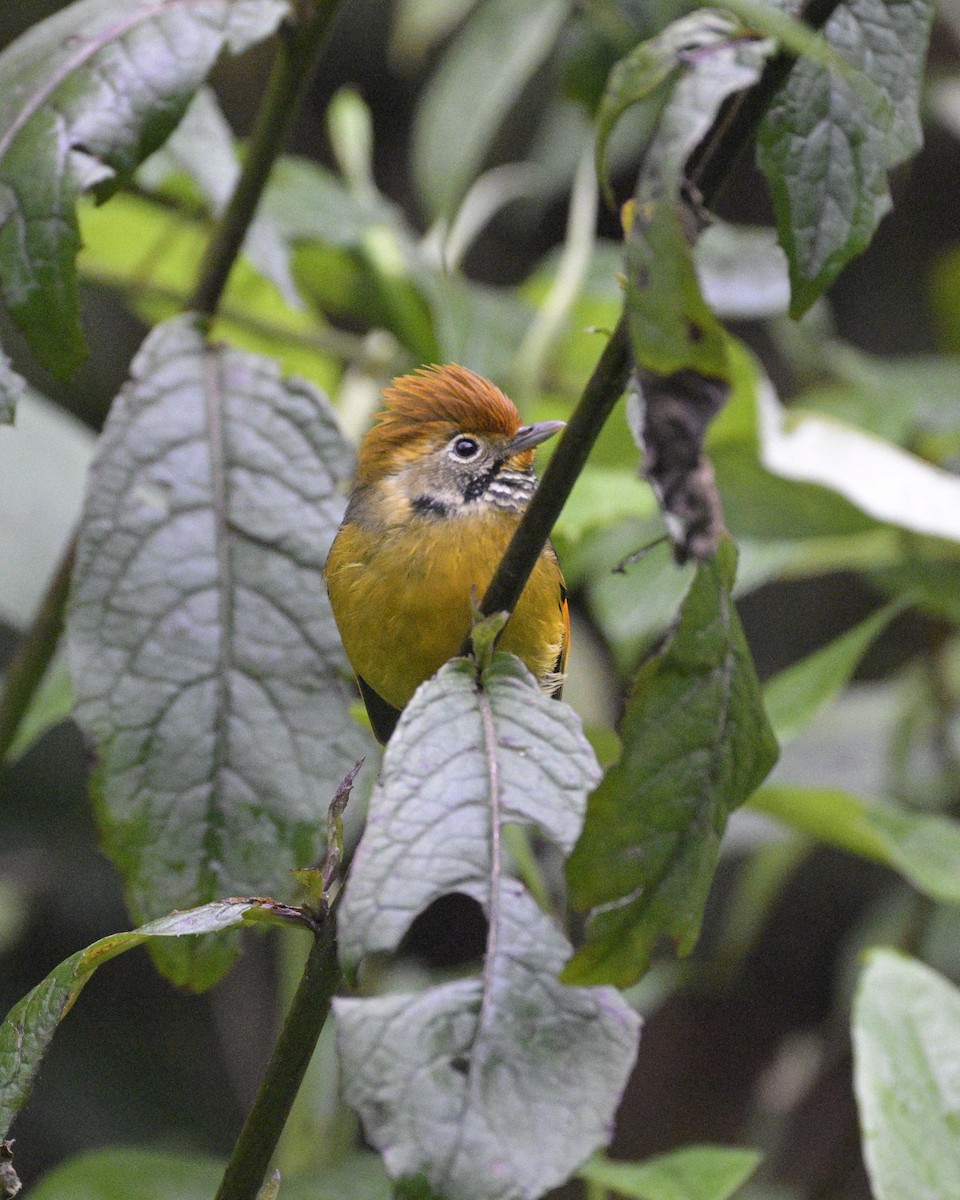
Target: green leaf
(671, 326)
(906, 1042)
(931, 584)
(795, 695)
(476, 325)
(13, 388)
(350, 129)
(481, 75)
(307, 202)
(28, 1028)
(419, 24)
(693, 1173)
(923, 847)
(633, 606)
(499, 1085)
(639, 79)
(826, 145)
(150, 254)
(52, 703)
(602, 496)
(197, 615)
(695, 745)
(84, 97)
(119, 1174)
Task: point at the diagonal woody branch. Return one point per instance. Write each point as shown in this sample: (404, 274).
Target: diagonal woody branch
(708, 170)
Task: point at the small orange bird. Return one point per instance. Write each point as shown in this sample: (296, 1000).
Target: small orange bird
(442, 481)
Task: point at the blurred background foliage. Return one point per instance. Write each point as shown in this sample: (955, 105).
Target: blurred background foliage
(401, 256)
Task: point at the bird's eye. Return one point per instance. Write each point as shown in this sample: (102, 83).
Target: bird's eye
(465, 449)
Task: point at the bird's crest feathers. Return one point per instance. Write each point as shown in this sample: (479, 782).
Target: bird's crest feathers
(432, 404)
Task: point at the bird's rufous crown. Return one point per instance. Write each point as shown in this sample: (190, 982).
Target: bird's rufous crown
(429, 406)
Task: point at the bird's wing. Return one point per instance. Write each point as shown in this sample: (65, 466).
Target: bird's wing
(561, 667)
(383, 716)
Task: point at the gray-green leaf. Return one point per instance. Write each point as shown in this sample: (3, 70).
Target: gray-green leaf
(205, 659)
(496, 1086)
(826, 145)
(696, 743)
(84, 97)
(906, 1041)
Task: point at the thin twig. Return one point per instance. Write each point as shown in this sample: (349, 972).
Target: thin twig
(300, 43)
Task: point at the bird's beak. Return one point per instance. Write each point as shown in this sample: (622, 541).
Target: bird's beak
(528, 436)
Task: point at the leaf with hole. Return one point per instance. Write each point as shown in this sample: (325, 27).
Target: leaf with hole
(206, 663)
(499, 1085)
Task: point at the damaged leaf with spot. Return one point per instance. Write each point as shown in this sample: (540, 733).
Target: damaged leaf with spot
(498, 1086)
(206, 663)
(679, 347)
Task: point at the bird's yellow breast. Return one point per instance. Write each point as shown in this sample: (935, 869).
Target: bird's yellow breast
(402, 599)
